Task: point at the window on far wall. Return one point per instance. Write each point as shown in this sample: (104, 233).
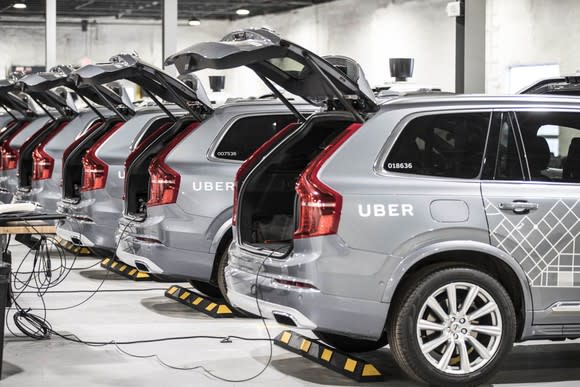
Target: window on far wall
(525, 75)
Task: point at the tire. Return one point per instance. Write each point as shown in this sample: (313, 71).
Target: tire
(221, 274)
(207, 289)
(348, 344)
(221, 280)
(442, 364)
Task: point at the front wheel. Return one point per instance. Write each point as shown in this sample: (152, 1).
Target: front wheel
(349, 344)
(453, 328)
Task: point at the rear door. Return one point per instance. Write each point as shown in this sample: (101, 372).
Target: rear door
(153, 80)
(294, 68)
(531, 193)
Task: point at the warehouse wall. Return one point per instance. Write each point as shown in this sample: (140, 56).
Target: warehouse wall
(369, 31)
(530, 32)
(24, 45)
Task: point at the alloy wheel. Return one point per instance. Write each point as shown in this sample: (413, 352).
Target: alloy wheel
(459, 328)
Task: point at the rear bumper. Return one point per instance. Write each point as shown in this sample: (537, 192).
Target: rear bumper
(93, 226)
(8, 185)
(160, 259)
(252, 286)
(172, 246)
(46, 193)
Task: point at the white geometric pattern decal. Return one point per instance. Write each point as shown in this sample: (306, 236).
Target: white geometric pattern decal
(546, 249)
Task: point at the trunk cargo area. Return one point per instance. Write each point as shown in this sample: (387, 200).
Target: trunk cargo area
(267, 202)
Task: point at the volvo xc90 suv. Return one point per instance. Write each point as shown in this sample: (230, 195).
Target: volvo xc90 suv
(93, 166)
(178, 196)
(445, 226)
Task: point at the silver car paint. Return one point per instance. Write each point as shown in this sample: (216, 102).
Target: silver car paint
(8, 178)
(190, 230)
(48, 192)
(104, 206)
(367, 266)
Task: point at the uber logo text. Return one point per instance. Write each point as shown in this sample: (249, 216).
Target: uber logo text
(378, 210)
(213, 186)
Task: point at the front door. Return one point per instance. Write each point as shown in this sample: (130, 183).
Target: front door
(531, 196)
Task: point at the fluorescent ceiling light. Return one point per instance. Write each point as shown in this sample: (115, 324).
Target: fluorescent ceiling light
(19, 5)
(193, 21)
(243, 12)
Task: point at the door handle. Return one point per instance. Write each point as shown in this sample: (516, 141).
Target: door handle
(519, 206)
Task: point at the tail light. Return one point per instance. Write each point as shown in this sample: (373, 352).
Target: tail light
(9, 155)
(163, 180)
(320, 205)
(95, 170)
(42, 162)
(253, 160)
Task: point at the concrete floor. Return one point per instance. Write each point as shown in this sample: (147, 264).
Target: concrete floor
(140, 311)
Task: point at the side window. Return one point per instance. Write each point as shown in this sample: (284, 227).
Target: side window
(443, 145)
(248, 133)
(552, 144)
(503, 158)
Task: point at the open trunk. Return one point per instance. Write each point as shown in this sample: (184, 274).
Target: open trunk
(137, 176)
(72, 166)
(266, 217)
(25, 160)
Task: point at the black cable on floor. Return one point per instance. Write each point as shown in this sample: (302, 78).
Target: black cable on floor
(38, 327)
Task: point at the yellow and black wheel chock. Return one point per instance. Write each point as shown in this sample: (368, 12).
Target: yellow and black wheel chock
(210, 307)
(71, 247)
(124, 270)
(345, 364)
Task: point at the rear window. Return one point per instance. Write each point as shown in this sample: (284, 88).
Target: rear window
(248, 133)
(442, 145)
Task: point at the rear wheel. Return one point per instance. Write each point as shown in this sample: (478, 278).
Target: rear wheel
(349, 344)
(453, 327)
(207, 289)
(221, 272)
(221, 280)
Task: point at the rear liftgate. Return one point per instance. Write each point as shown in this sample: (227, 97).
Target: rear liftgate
(209, 306)
(320, 353)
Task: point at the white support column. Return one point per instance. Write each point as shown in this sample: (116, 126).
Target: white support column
(475, 46)
(50, 34)
(169, 28)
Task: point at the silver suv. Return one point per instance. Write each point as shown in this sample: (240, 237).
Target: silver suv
(178, 195)
(445, 226)
(54, 107)
(184, 229)
(93, 166)
(40, 157)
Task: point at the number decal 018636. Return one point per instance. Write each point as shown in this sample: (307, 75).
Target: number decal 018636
(400, 166)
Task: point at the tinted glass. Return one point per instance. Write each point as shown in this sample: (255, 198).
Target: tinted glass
(503, 161)
(552, 144)
(247, 134)
(443, 145)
